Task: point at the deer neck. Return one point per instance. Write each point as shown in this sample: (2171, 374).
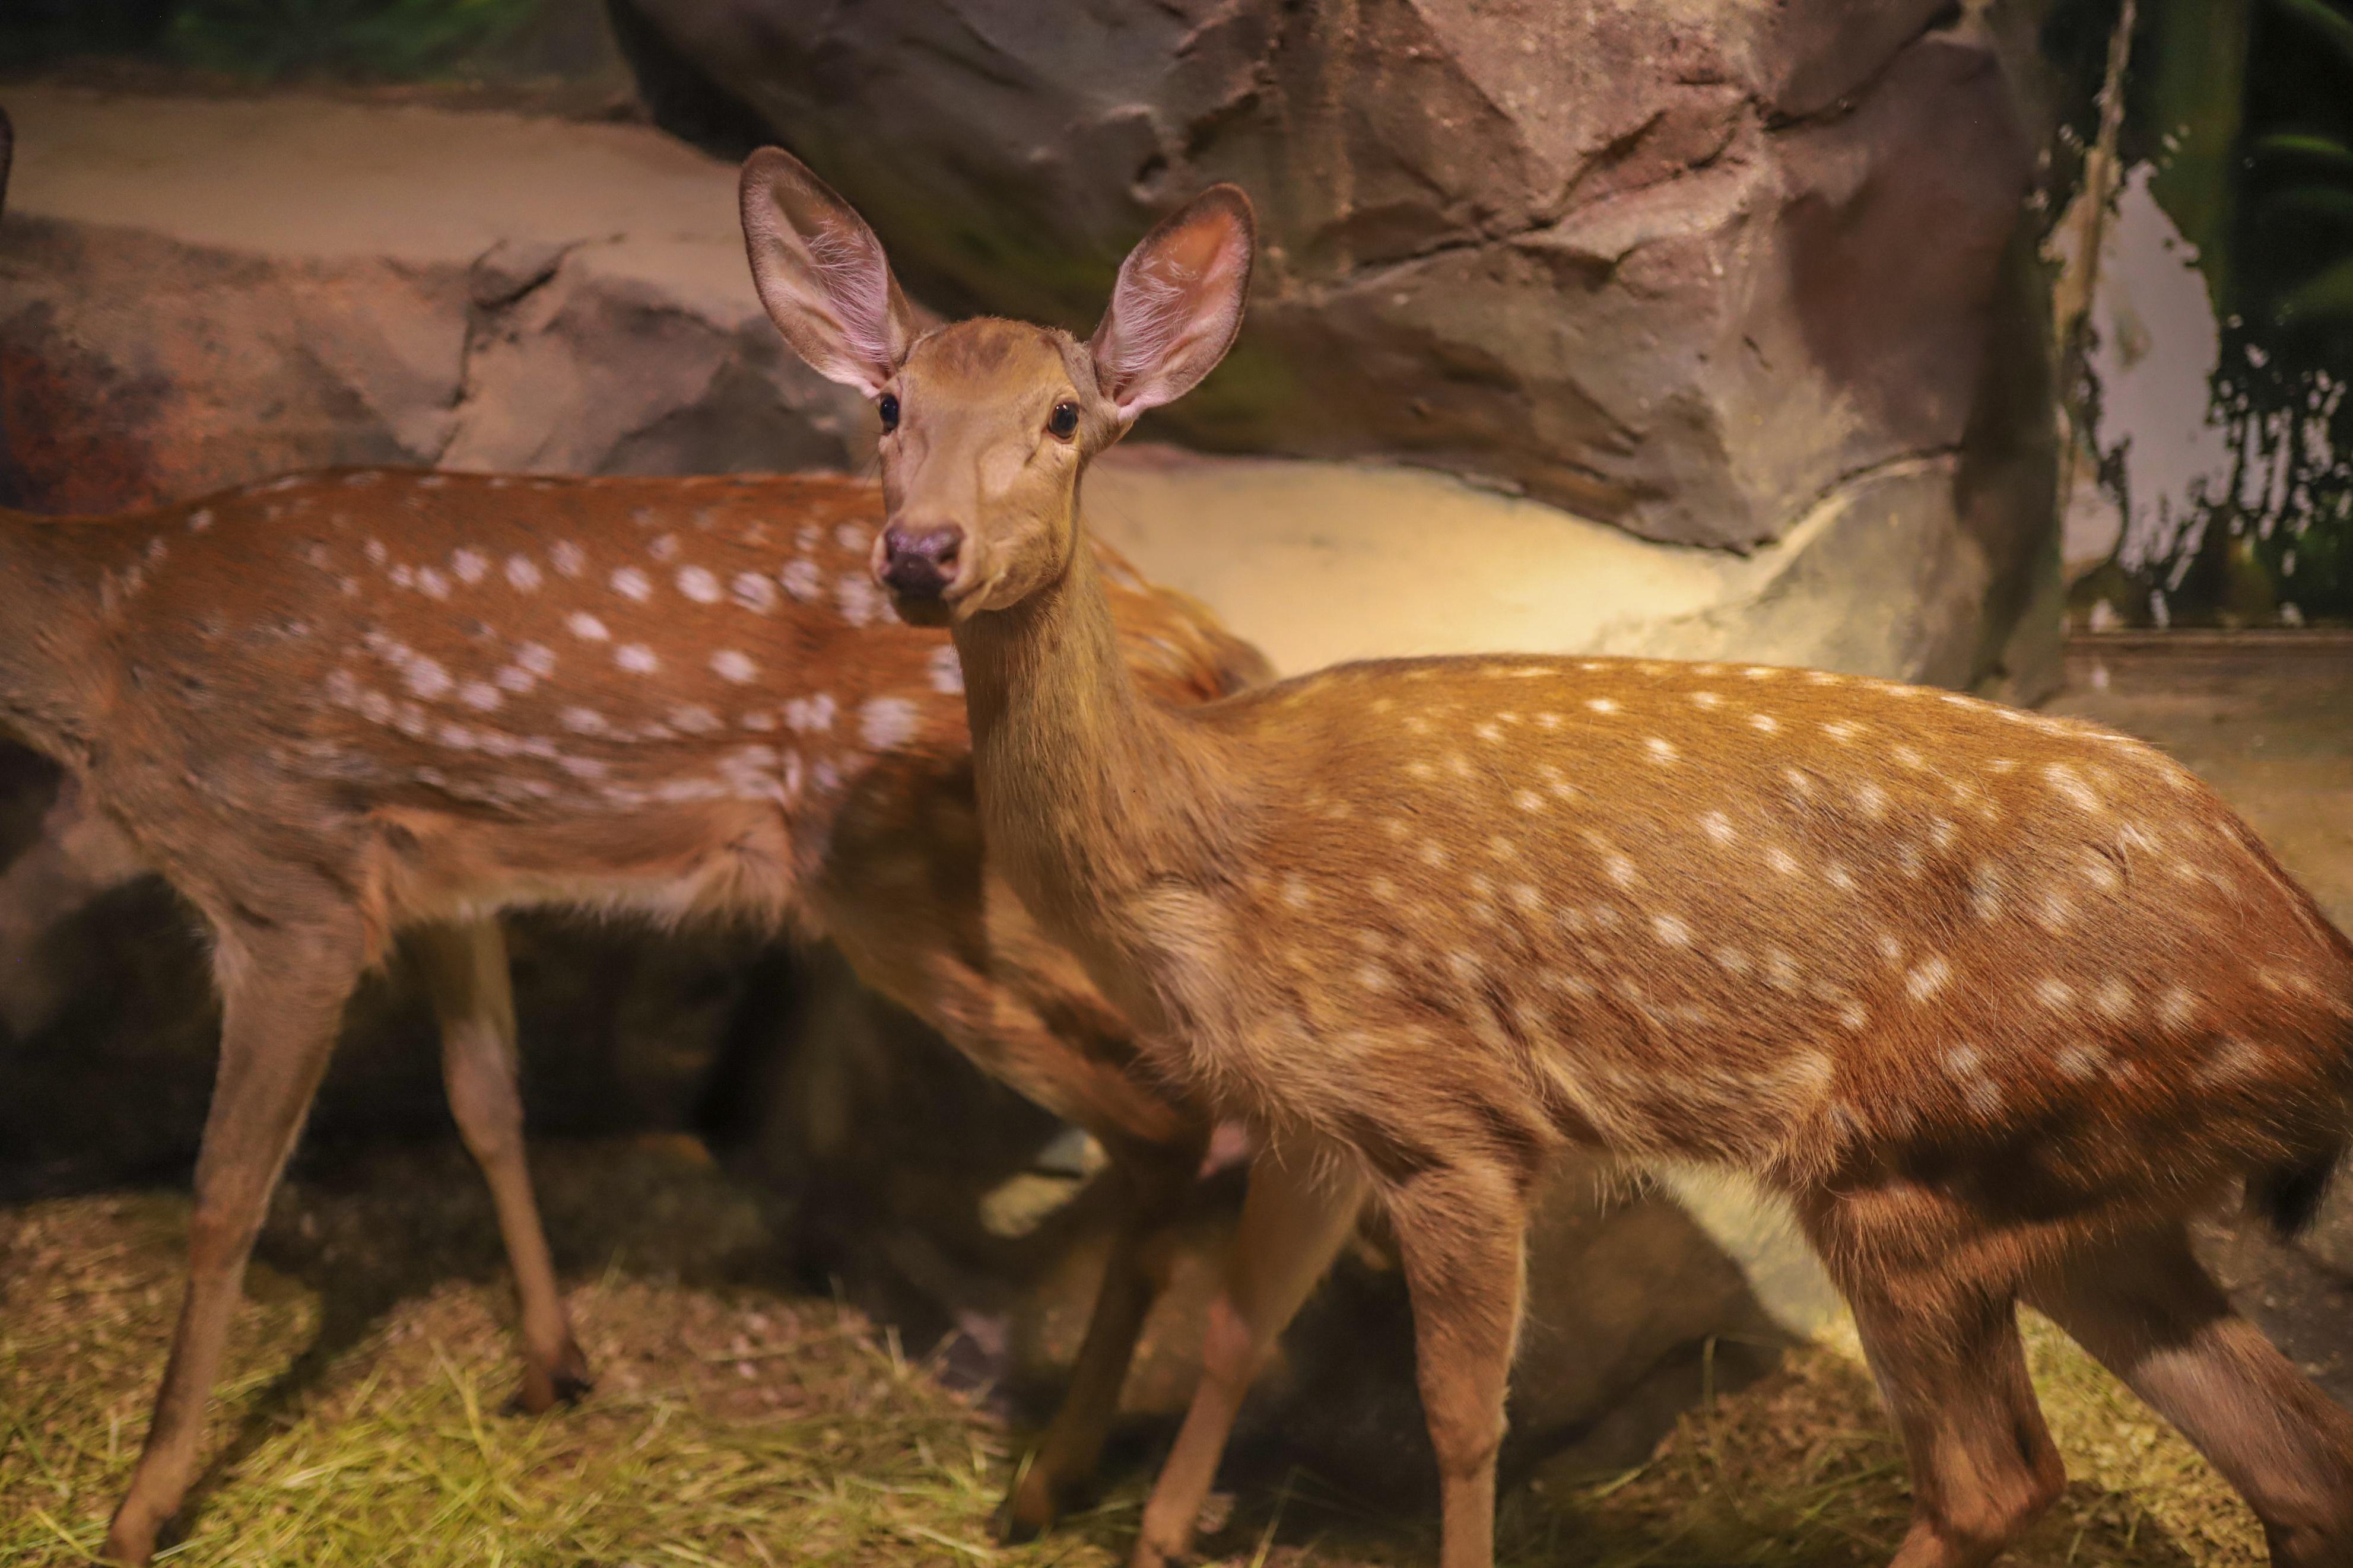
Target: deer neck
(1093, 799)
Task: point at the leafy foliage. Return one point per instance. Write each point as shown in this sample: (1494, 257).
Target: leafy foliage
(2273, 225)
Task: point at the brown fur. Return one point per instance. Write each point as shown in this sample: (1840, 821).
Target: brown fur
(338, 707)
(1987, 996)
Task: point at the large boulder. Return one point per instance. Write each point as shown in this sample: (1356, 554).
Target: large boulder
(1681, 268)
(200, 293)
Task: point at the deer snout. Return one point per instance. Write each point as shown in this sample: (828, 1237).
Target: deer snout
(919, 561)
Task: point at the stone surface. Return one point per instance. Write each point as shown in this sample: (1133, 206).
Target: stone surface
(1667, 266)
(1890, 574)
(203, 291)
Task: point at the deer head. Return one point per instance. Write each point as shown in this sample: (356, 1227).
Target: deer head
(987, 424)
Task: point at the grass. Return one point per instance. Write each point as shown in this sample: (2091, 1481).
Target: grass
(736, 1422)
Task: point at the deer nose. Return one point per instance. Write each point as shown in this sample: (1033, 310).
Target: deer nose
(920, 560)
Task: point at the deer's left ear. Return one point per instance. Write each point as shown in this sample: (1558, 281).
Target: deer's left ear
(1178, 302)
(822, 275)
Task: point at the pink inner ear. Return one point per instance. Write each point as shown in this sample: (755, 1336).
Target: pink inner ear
(1173, 306)
(854, 276)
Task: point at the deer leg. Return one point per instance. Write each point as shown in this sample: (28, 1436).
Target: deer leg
(466, 974)
(1154, 1181)
(283, 990)
(1950, 1366)
(2146, 1309)
(1461, 1236)
(1294, 1220)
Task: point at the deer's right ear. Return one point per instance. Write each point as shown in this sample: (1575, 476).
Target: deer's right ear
(822, 275)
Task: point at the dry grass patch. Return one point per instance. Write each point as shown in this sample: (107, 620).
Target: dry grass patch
(735, 1422)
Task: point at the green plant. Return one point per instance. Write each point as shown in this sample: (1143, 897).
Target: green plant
(384, 40)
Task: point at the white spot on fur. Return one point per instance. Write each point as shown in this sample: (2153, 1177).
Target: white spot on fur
(1781, 861)
(810, 715)
(1765, 722)
(523, 575)
(698, 585)
(632, 584)
(1927, 979)
(1659, 749)
(860, 600)
(636, 659)
(1672, 931)
(754, 592)
(2080, 1062)
(730, 664)
(470, 565)
(2055, 993)
(426, 678)
(582, 721)
(802, 580)
(586, 628)
(569, 559)
(200, 519)
(2070, 783)
(480, 696)
(1601, 704)
(884, 722)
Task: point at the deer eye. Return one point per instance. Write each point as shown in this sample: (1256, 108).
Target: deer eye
(1064, 421)
(887, 406)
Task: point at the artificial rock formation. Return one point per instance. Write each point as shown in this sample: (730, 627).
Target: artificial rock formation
(1683, 269)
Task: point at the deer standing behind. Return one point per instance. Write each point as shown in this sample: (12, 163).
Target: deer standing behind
(1995, 1000)
(337, 707)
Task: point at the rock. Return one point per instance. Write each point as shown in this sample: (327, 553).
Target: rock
(1892, 574)
(206, 292)
(1625, 1294)
(1659, 265)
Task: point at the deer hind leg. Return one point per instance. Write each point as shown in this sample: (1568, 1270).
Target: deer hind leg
(2144, 1308)
(283, 988)
(1942, 1341)
(466, 974)
(1154, 1181)
(1294, 1219)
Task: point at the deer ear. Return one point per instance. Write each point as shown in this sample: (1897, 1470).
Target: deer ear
(1177, 304)
(822, 275)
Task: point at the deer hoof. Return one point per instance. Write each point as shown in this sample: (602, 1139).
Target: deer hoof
(129, 1542)
(543, 1388)
(1028, 1510)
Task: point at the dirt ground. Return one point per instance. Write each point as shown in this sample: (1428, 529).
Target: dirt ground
(738, 1418)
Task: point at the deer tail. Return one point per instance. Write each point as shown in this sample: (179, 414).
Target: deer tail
(2288, 1195)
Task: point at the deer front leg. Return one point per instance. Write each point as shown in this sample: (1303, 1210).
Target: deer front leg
(466, 973)
(1460, 1237)
(1295, 1217)
(1152, 1182)
(283, 990)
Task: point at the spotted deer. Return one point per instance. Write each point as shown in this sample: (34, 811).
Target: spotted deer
(1994, 1001)
(341, 707)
